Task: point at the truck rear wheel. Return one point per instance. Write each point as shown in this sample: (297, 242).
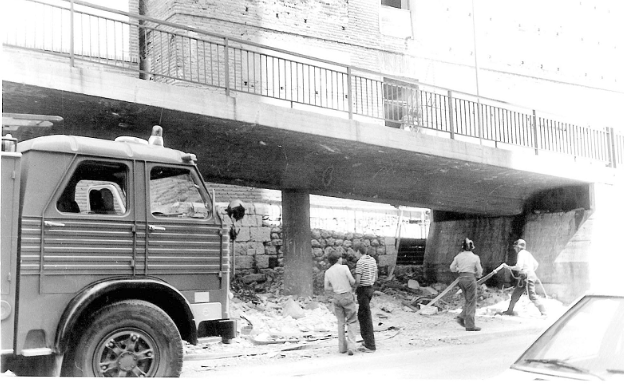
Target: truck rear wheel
(128, 339)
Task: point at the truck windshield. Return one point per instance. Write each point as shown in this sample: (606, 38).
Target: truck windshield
(175, 192)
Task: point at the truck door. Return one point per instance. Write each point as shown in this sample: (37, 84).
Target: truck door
(89, 229)
(184, 239)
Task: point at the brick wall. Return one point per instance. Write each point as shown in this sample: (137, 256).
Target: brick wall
(343, 31)
(514, 42)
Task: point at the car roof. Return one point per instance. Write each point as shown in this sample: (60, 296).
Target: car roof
(605, 293)
(101, 147)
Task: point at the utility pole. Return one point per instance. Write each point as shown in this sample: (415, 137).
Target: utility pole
(476, 65)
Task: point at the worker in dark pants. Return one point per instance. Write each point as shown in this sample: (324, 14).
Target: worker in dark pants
(525, 266)
(468, 265)
(365, 276)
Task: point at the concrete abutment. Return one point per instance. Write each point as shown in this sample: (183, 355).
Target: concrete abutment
(578, 249)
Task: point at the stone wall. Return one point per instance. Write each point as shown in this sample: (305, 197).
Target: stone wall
(259, 241)
(258, 258)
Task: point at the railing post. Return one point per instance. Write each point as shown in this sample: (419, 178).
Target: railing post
(71, 33)
(479, 124)
(535, 135)
(451, 114)
(349, 93)
(611, 144)
(417, 107)
(572, 134)
(226, 57)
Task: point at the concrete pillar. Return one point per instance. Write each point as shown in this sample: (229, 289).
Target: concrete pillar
(598, 242)
(579, 250)
(298, 266)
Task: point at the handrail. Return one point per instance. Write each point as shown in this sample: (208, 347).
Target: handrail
(278, 50)
(159, 50)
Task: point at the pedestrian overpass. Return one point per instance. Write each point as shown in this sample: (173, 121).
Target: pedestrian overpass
(263, 117)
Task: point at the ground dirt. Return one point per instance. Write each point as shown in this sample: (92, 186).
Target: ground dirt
(286, 328)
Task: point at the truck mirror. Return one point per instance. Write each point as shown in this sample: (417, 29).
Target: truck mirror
(235, 210)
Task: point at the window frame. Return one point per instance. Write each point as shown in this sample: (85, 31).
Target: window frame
(124, 193)
(197, 180)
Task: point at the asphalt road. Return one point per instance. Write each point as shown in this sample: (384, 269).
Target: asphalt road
(474, 360)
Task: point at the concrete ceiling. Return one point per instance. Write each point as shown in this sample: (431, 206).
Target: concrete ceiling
(235, 152)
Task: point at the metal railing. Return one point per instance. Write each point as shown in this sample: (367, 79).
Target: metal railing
(162, 51)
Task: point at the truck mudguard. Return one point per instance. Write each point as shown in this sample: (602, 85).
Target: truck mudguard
(114, 289)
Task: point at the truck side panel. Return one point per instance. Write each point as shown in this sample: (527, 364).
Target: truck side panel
(10, 213)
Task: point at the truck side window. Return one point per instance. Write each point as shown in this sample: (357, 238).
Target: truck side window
(175, 193)
(96, 188)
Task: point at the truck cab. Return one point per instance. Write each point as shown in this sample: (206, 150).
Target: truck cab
(112, 255)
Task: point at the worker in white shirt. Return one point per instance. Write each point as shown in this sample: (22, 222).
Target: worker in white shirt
(339, 281)
(525, 266)
(468, 265)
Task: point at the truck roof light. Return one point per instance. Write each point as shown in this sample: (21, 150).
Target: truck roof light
(156, 139)
(189, 158)
(9, 144)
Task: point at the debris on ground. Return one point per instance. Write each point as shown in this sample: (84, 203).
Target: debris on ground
(278, 326)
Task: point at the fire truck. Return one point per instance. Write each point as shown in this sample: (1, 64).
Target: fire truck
(113, 254)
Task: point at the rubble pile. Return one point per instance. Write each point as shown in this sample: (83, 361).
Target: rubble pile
(275, 315)
(265, 287)
(286, 325)
(273, 326)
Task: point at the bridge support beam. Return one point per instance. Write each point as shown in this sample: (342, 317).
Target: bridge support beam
(298, 266)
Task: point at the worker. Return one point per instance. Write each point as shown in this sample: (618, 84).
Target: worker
(468, 265)
(365, 277)
(525, 266)
(339, 281)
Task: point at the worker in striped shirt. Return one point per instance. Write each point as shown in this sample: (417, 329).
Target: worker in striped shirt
(365, 277)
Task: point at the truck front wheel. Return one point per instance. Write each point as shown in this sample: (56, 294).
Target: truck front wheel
(128, 339)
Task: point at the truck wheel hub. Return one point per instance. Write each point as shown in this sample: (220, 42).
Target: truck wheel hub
(127, 361)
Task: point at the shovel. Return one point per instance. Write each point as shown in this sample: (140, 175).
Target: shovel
(429, 309)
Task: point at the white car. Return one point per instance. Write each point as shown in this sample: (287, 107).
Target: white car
(585, 343)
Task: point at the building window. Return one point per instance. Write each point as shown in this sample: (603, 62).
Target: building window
(395, 19)
(400, 4)
(400, 104)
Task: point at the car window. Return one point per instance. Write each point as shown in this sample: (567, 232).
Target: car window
(176, 193)
(95, 188)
